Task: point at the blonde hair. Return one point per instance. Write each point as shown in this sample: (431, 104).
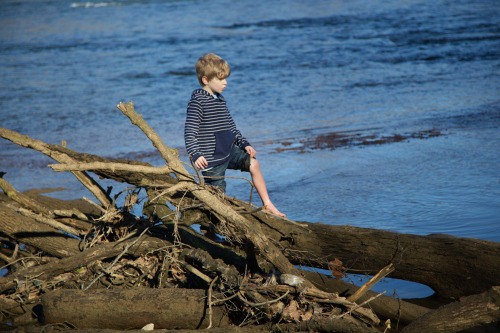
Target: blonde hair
(211, 65)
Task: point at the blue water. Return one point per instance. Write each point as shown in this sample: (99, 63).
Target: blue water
(299, 69)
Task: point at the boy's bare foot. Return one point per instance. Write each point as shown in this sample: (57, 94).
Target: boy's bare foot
(270, 208)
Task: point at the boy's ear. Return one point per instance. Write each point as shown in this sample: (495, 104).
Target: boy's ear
(204, 79)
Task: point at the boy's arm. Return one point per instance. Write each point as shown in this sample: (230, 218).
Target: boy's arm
(191, 128)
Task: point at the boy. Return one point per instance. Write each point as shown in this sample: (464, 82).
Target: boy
(213, 142)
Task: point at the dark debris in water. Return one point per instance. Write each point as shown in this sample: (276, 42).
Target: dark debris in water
(335, 140)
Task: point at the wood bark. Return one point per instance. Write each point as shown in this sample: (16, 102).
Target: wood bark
(451, 266)
(30, 232)
(337, 325)
(80, 206)
(388, 307)
(399, 311)
(468, 312)
(225, 329)
(167, 308)
(22, 198)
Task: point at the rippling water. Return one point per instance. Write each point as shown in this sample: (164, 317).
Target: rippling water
(301, 69)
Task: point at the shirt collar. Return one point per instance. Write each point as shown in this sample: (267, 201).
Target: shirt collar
(206, 93)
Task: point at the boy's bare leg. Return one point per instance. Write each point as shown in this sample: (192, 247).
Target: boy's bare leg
(260, 185)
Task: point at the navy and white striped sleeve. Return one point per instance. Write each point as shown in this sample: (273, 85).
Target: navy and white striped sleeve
(191, 129)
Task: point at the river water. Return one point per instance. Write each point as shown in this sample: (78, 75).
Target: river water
(303, 72)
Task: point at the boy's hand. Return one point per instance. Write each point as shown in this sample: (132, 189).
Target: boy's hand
(201, 163)
(250, 151)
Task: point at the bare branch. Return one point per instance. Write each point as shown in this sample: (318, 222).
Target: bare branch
(48, 221)
(111, 166)
(59, 156)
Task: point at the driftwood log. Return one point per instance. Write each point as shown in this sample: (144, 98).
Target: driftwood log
(470, 266)
(468, 312)
(451, 266)
(252, 273)
(173, 308)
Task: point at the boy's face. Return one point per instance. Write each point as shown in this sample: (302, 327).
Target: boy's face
(215, 85)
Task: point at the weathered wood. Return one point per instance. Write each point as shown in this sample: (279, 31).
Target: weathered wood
(17, 315)
(334, 325)
(34, 209)
(23, 199)
(21, 280)
(451, 266)
(225, 329)
(202, 258)
(75, 223)
(251, 230)
(468, 312)
(170, 155)
(230, 255)
(444, 263)
(397, 310)
(55, 204)
(28, 231)
(114, 166)
(368, 285)
(53, 152)
(80, 259)
(167, 308)
(10, 306)
(48, 221)
(319, 296)
(388, 307)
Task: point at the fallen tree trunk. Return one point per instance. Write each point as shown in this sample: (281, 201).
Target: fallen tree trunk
(28, 231)
(225, 329)
(451, 266)
(168, 308)
(468, 312)
(179, 309)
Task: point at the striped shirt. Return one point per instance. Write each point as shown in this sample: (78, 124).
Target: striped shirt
(210, 130)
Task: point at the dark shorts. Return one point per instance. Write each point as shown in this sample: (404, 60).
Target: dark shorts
(239, 160)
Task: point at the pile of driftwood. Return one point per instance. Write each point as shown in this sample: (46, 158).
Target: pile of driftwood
(81, 266)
